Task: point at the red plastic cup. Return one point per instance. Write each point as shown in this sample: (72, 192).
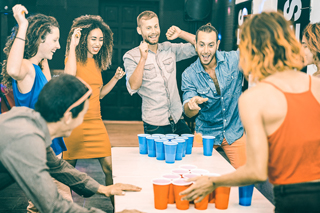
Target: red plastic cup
(212, 194)
(212, 197)
(203, 205)
(189, 175)
(160, 191)
(222, 197)
(171, 193)
(180, 185)
(180, 171)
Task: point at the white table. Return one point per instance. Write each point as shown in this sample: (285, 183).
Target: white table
(131, 167)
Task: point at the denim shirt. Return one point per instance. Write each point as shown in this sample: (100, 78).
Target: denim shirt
(159, 91)
(219, 116)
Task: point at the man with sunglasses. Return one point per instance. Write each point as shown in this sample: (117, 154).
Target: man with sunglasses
(27, 158)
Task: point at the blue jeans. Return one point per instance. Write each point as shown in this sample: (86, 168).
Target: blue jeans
(179, 128)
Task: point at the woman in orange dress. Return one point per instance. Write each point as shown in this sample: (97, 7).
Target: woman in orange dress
(89, 51)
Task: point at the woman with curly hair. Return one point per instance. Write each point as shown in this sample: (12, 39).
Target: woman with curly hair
(281, 116)
(26, 70)
(311, 46)
(88, 52)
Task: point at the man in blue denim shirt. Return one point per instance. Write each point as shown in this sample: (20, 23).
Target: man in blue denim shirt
(151, 72)
(214, 83)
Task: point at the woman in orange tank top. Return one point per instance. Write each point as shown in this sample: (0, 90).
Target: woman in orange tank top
(89, 51)
(281, 116)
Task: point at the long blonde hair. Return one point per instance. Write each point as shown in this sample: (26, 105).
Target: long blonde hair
(268, 45)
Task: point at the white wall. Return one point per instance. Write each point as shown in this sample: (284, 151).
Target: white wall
(271, 5)
(264, 5)
(315, 11)
(268, 5)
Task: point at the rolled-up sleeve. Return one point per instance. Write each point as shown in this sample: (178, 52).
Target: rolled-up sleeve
(129, 65)
(78, 181)
(183, 51)
(25, 160)
(188, 88)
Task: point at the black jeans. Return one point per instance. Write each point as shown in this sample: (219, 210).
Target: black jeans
(301, 197)
(179, 128)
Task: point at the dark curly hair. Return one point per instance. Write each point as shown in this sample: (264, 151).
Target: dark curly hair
(39, 26)
(88, 23)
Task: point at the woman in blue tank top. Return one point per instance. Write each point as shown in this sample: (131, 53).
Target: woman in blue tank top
(30, 45)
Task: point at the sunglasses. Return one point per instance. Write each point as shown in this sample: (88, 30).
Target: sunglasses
(83, 98)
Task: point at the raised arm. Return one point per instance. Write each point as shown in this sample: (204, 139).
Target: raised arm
(109, 86)
(71, 63)
(18, 68)
(175, 32)
(135, 80)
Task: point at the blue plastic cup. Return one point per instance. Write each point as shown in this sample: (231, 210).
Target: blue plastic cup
(151, 146)
(158, 135)
(170, 149)
(185, 138)
(160, 148)
(169, 138)
(180, 147)
(173, 135)
(245, 195)
(189, 143)
(143, 146)
(208, 142)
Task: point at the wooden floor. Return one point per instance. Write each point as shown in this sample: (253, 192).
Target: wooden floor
(121, 134)
(124, 133)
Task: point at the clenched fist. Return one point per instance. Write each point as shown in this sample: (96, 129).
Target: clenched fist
(119, 73)
(173, 33)
(143, 47)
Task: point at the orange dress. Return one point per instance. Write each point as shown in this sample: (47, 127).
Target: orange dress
(90, 139)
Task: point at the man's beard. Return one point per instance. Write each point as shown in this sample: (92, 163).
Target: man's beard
(147, 40)
(212, 57)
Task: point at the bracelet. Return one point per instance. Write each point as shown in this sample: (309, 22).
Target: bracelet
(21, 38)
